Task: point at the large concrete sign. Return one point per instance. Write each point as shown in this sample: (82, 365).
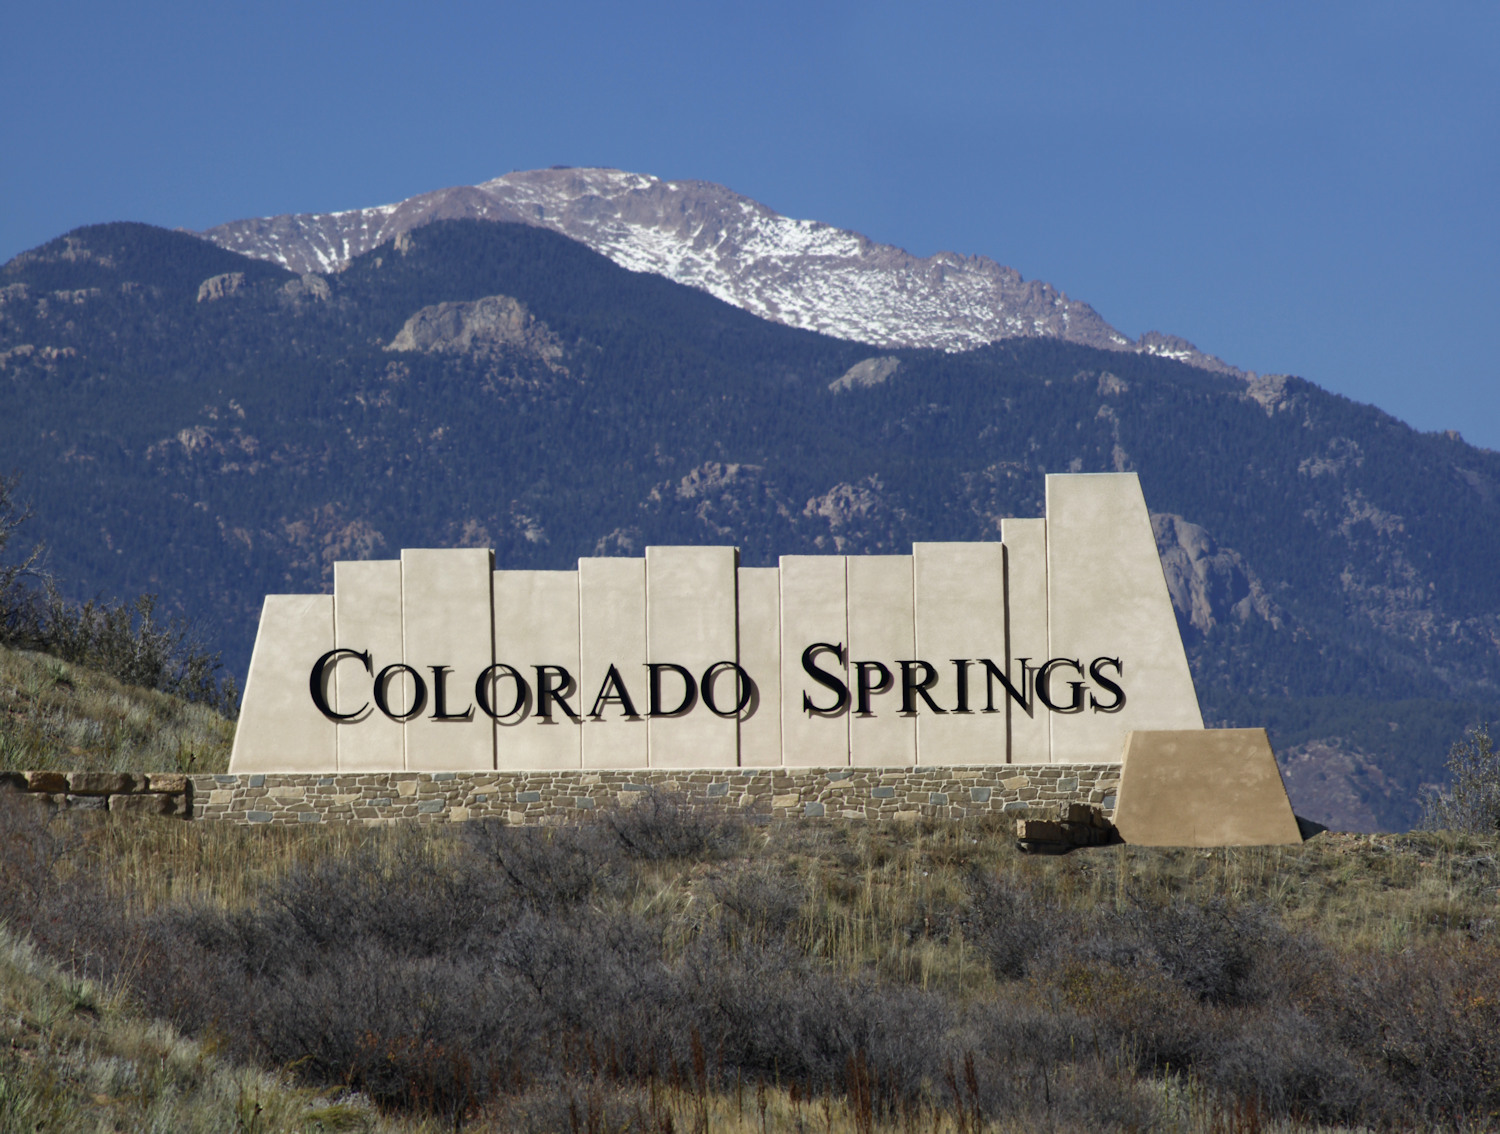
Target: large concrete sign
(1047, 646)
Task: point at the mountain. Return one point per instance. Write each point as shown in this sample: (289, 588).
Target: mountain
(212, 427)
(801, 273)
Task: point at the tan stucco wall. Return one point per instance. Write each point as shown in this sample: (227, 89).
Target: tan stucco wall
(1083, 583)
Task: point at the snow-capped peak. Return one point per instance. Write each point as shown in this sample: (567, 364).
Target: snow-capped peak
(799, 272)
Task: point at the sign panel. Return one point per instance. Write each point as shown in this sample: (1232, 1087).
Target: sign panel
(1048, 645)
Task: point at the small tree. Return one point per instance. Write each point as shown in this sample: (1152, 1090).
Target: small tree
(13, 576)
(1472, 801)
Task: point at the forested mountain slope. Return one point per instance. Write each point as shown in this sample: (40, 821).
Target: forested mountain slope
(211, 427)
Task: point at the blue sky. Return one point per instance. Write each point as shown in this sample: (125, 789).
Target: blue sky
(1299, 188)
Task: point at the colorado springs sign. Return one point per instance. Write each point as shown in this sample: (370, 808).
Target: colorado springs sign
(1049, 645)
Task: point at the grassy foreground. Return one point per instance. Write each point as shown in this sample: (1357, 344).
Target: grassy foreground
(803, 976)
(670, 969)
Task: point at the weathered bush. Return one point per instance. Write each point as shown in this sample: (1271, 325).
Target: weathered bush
(68, 913)
(1429, 1019)
(664, 825)
(1472, 801)
(548, 868)
(1009, 927)
(756, 907)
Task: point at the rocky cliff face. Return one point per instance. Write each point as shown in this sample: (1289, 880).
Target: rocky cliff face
(1210, 585)
(798, 272)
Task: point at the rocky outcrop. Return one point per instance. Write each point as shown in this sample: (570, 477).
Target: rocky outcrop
(221, 286)
(870, 372)
(481, 326)
(726, 499)
(309, 287)
(1210, 585)
(1179, 349)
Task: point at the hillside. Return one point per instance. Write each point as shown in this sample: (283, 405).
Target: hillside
(60, 717)
(77, 1057)
(212, 427)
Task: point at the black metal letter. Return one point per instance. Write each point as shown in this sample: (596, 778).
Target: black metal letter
(743, 688)
(912, 687)
(620, 696)
(440, 696)
(1119, 702)
(689, 690)
(1044, 686)
(320, 674)
(382, 684)
(482, 690)
(962, 665)
(547, 692)
(993, 673)
(825, 679)
(865, 688)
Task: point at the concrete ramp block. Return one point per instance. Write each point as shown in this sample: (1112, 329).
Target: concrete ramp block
(1203, 788)
(280, 728)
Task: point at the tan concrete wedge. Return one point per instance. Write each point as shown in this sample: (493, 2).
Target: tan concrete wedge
(1203, 788)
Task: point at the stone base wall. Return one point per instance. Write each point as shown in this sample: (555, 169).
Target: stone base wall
(152, 793)
(555, 797)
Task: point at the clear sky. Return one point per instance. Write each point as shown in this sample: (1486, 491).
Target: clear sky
(1298, 188)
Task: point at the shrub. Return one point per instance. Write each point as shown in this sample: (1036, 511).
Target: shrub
(125, 640)
(1009, 926)
(1472, 801)
(547, 868)
(69, 913)
(756, 907)
(663, 825)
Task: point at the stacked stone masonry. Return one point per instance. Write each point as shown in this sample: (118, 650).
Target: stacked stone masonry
(153, 793)
(533, 798)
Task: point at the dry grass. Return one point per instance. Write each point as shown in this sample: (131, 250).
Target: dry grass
(885, 897)
(882, 897)
(1180, 1105)
(74, 1057)
(54, 715)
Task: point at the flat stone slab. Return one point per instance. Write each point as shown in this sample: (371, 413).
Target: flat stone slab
(100, 783)
(1203, 788)
(51, 782)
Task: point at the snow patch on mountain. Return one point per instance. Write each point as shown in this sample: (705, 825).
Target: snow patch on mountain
(801, 273)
